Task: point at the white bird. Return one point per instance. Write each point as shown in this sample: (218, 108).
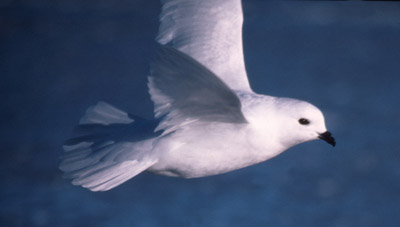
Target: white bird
(207, 119)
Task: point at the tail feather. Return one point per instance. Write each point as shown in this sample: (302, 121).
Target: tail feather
(81, 145)
(106, 155)
(112, 176)
(105, 114)
(117, 179)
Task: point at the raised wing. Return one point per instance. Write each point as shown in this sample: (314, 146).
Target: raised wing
(209, 31)
(184, 91)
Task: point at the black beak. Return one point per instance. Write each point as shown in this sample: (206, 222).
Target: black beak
(328, 138)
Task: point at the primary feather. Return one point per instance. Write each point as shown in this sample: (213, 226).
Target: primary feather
(210, 31)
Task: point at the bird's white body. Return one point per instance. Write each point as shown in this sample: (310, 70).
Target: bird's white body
(207, 119)
(202, 149)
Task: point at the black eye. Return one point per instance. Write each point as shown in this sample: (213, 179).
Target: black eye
(304, 121)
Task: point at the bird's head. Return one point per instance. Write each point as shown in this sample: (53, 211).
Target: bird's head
(300, 122)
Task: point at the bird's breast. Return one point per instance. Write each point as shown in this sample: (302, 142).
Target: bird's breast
(201, 152)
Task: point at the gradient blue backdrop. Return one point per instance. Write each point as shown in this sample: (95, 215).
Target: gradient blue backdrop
(59, 57)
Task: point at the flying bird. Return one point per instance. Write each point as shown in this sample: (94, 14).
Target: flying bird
(207, 120)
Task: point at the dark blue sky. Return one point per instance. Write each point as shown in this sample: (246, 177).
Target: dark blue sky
(59, 57)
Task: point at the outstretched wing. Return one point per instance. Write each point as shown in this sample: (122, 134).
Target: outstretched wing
(209, 31)
(184, 91)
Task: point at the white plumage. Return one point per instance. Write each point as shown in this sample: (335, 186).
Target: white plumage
(207, 119)
(209, 31)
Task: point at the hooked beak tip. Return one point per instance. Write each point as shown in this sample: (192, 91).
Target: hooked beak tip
(327, 137)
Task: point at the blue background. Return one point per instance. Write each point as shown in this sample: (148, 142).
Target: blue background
(59, 57)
